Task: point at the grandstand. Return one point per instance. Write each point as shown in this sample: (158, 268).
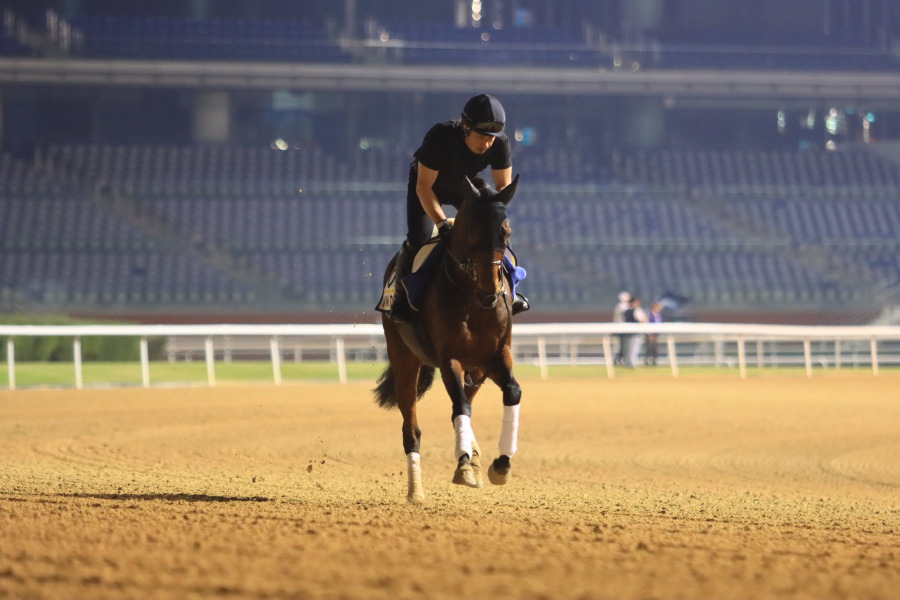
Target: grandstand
(146, 215)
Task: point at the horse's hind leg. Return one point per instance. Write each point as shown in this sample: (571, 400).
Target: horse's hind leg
(412, 437)
(406, 377)
(415, 493)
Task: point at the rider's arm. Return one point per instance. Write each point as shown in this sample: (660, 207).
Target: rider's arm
(502, 178)
(427, 198)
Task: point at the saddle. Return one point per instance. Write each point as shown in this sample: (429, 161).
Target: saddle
(413, 332)
(424, 263)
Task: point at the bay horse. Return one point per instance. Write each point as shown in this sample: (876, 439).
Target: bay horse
(465, 318)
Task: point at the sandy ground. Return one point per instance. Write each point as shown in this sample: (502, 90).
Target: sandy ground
(712, 487)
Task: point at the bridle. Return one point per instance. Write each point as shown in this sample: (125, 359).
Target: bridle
(487, 301)
(470, 269)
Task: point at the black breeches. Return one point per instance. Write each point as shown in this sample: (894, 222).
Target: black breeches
(418, 224)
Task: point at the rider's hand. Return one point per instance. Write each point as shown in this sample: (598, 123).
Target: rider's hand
(444, 228)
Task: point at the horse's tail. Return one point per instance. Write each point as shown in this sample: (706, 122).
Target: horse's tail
(385, 390)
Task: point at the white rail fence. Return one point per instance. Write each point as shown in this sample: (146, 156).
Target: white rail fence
(543, 344)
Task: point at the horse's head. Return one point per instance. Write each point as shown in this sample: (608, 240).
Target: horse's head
(481, 231)
(482, 215)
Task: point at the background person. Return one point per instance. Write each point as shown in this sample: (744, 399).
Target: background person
(618, 316)
(651, 340)
(634, 314)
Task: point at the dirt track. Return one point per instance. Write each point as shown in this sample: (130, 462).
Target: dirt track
(633, 488)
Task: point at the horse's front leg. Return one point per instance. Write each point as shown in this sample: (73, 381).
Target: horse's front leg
(498, 472)
(465, 447)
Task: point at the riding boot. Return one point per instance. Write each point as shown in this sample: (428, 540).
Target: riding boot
(520, 304)
(401, 309)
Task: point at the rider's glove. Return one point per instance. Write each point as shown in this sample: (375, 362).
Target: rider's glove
(444, 228)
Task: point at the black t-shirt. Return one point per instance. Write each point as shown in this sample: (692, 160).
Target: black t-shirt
(444, 150)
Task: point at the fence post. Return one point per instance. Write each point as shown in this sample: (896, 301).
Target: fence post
(673, 358)
(210, 362)
(807, 357)
(341, 359)
(742, 358)
(11, 362)
(608, 357)
(542, 356)
(76, 355)
(145, 363)
(275, 351)
(873, 348)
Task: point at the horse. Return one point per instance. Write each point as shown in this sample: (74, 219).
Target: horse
(465, 318)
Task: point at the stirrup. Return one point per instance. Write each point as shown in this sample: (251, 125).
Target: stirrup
(520, 304)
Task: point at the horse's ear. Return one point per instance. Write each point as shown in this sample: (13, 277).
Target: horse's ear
(471, 190)
(507, 193)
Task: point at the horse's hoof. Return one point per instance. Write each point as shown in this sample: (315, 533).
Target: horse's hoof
(476, 465)
(465, 474)
(498, 472)
(417, 499)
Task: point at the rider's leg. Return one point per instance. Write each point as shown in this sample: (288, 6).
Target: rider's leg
(520, 302)
(400, 309)
(420, 228)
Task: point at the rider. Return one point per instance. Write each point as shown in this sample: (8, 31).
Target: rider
(451, 151)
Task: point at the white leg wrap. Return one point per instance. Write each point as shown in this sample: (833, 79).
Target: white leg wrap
(415, 493)
(413, 469)
(464, 436)
(509, 431)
